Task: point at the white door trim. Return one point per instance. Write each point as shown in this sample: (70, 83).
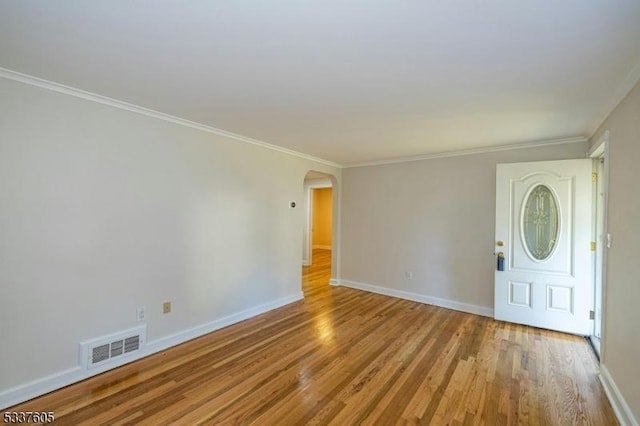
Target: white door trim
(309, 186)
(601, 150)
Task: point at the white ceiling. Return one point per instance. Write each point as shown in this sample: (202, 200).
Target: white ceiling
(347, 81)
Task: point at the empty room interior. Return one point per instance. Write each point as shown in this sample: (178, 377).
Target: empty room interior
(338, 212)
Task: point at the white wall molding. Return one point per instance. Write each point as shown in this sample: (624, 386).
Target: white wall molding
(318, 183)
(115, 103)
(429, 300)
(58, 380)
(309, 185)
(620, 406)
(600, 148)
(474, 151)
(334, 282)
(44, 385)
(626, 85)
(185, 335)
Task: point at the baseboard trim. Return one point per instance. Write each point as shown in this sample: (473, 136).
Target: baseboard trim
(44, 385)
(192, 333)
(620, 406)
(33, 389)
(429, 300)
(334, 282)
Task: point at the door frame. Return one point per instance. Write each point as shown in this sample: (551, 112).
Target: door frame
(600, 150)
(310, 186)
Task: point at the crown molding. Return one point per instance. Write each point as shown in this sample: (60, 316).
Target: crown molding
(633, 77)
(623, 89)
(115, 103)
(473, 151)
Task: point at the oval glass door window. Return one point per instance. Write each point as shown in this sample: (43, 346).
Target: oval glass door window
(540, 222)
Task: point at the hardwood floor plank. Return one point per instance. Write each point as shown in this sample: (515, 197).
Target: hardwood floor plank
(343, 356)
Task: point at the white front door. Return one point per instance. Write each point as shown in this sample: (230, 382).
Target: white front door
(543, 233)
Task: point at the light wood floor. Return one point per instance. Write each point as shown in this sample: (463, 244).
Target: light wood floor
(345, 357)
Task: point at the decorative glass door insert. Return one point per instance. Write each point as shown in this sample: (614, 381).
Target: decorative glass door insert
(540, 223)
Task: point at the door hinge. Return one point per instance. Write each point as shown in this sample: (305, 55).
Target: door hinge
(592, 315)
(593, 246)
(594, 177)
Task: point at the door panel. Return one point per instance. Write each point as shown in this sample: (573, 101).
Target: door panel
(543, 229)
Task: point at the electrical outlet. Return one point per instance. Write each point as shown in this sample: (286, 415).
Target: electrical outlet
(408, 275)
(166, 307)
(141, 314)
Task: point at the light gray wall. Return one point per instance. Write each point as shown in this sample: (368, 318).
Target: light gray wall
(103, 210)
(432, 217)
(621, 325)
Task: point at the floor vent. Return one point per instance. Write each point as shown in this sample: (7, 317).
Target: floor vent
(109, 349)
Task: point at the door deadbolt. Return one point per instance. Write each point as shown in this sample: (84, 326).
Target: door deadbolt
(500, 265)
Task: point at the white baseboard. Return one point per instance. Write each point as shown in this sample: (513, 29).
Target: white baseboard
(429, 300)
(183, 336)
(305, 262)
(334, 282)
(319, 246)
(27, 391)
(620, 406)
